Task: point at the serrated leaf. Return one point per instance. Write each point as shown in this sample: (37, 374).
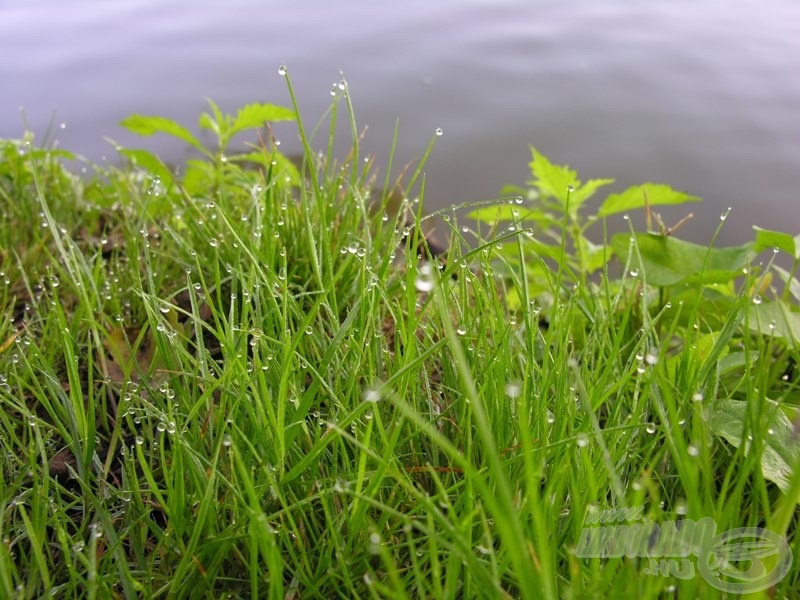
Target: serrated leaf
(638, 196)
(779, 449)
(254, 116)
(552, 180)
(667, 260)
(149, 125)
(587, 190)
(767, 239)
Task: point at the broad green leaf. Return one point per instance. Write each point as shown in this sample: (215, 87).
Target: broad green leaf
(775, 319)
(667, 260)
(150, 162)
(199, 177)
(779, 448)
(766, 239)
(284, 167)
(493, 214)
(593, 256)
(275, 163)
(788, 280)
(145, 125)
(254, 116)
(639, 196)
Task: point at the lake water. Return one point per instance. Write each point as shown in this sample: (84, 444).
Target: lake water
(701, 94)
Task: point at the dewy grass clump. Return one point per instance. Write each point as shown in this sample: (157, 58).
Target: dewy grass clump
(250, 377)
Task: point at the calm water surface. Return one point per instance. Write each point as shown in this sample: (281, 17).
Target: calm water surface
(703, 95)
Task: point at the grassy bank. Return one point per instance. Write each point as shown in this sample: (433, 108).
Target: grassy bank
(249, 378)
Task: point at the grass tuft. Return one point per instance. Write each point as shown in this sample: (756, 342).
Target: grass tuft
(256, 376)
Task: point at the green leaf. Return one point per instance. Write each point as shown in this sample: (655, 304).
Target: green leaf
(638, 196)
(775, 319)
(587, 190)
(149, 162)
(667, 260)
(766, 239)
(493, 214)
(555, 180)
(254, 116)
(552, 180)
(779, 448)
(145, 125)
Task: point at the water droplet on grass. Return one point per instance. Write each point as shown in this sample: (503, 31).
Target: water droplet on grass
(757, 299)
(692, 450)
(634, 272)
(725, 214)
(570, 188)
(373, 395)
(513, 389)
(650, 428)
(227, 441)
(439, 131)
(697, 397)
(425, 280)
(582, 441)
(282, 71)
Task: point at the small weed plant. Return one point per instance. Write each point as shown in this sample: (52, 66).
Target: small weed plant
(247, 378)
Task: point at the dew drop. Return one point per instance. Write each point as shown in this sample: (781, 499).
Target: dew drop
(439, 131)
(570, 188)
(634, 272)
(582, 441)
(282, 71)
(650, 428)
(373, 395)
(227, 441)
(513, 389)
(697, 397)
(757, 299)
(692, 450)
(725, 214)
(424, 281)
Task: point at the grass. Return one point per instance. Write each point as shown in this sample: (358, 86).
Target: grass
(244, 380)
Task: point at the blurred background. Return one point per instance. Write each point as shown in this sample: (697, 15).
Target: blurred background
(701, 94)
